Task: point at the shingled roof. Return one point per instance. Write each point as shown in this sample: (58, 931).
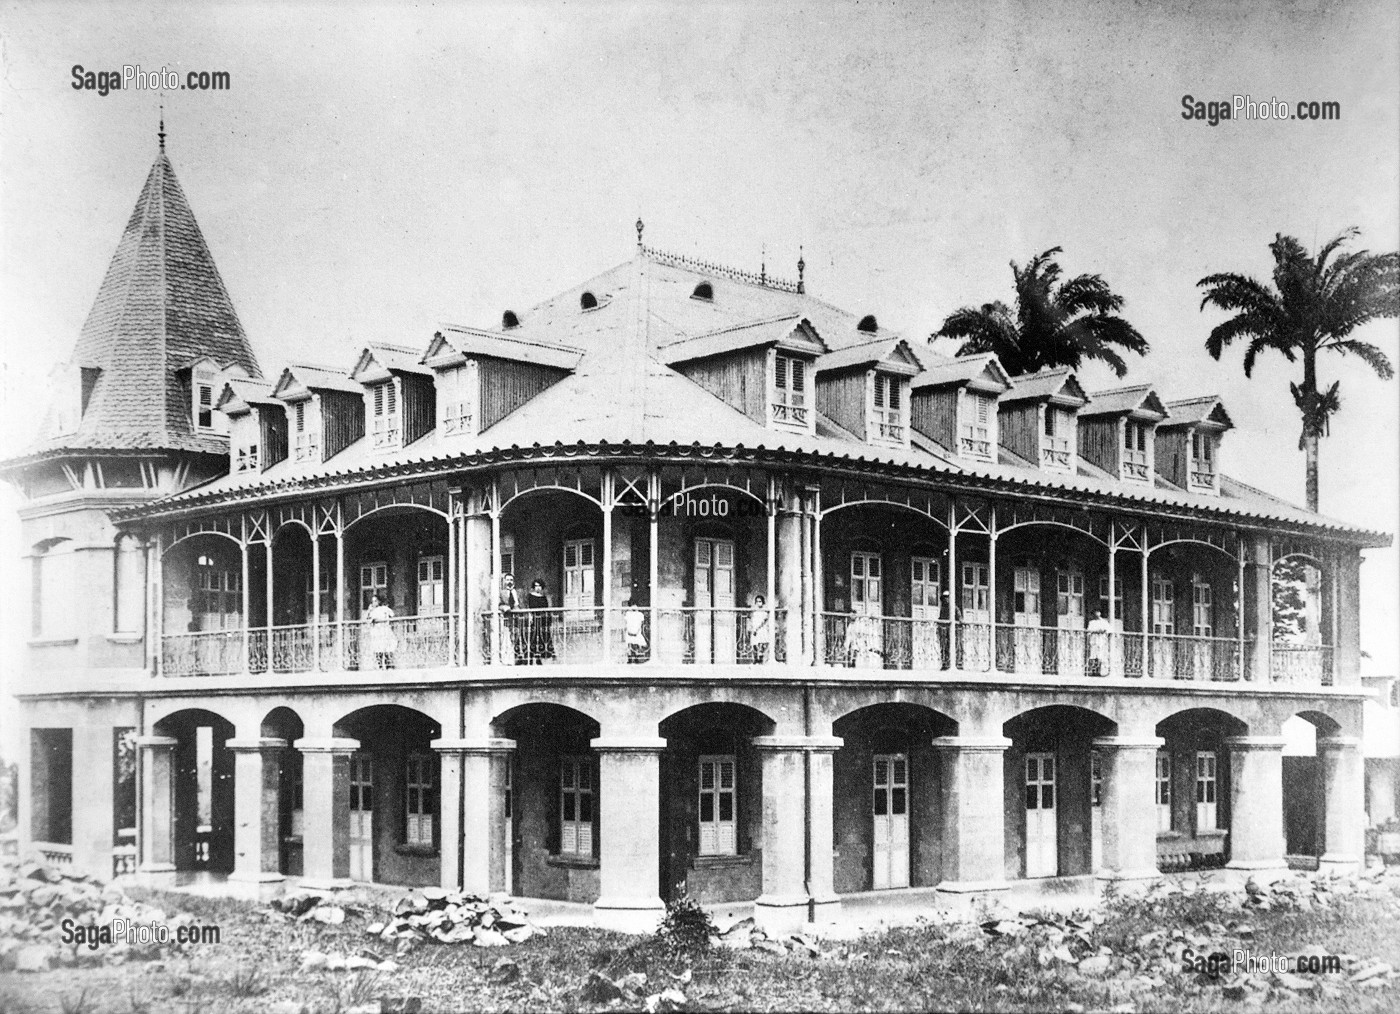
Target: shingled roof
(161, 306)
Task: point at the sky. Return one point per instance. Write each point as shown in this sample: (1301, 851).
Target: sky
(375, 170)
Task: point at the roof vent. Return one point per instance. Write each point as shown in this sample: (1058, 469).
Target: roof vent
(509, 320)
(867, 324)
(703, 291)
(588, 301)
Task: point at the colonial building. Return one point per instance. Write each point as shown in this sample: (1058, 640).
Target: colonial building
(687, 581)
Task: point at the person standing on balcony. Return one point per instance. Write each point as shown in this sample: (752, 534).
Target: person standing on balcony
(760, 631)
(381, 641)
(541, 623)
(513, 646)
(634, 622)
(1099, 629)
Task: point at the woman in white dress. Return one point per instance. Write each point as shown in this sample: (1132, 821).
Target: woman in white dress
(381, 641)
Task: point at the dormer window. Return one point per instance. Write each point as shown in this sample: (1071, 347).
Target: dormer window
(509, 320)
(1055, 440)
(456, 389)
(704, 291)
(304, 437)
(588, 301)
(790, 407)
(888, 405)
(1202, 460)
(1137, 437)
(247, 459)
(385, 415)
(975, 436)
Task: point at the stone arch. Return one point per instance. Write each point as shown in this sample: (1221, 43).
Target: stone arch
(202, 789)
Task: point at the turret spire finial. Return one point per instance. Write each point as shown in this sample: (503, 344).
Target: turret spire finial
(161, 133)
(640, 227)
(801, 267)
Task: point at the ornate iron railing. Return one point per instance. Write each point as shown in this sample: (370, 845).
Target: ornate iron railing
(1303, 664)
(884, 642)
(206, 653)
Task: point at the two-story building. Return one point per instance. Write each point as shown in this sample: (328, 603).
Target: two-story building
(687, 581)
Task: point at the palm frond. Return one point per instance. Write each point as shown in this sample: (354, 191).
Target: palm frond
(1369, 354)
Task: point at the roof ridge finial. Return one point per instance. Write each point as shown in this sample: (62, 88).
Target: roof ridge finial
(161, 133)
(640, 226)
(763, 264)
(801, 267)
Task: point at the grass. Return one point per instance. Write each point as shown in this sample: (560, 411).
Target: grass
(922, 967)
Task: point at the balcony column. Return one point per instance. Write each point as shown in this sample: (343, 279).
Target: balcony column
(257, 860)
(477, 529)
(609, 496)
(992, 597)
(1256, 803)
(449, 579)
(340, 636)
(472, 813)
(1259, 622)
(1344, 791)
(1116, 652)
(818, 585)
(1145, 596)
(325, 797)
(771, 589)
(315, 599)
(246, 606)
(1346, 610)
(974, 824)
(268, 590)
(653, 561)
(1128, 766)
(1242, 657)
(629, 803)
(156, 833)
(952, 585)
(790, 582)
(156, 577)
(498, 626)
(460, 580)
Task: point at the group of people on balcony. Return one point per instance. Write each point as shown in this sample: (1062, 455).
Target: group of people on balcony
(527, 625)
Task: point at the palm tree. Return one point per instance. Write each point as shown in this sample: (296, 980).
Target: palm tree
(1054, 325)
(1314, 304)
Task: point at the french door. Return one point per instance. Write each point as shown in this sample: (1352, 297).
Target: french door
(890, 811)
(713, 594)
(925, 599)
(975, 635)
(865, 637)
(1069, 617)
(1163, 622)
(1025, 619)
(361, 816)
(1042, 839)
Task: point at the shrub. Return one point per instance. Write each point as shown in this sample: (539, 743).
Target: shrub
(687, 927)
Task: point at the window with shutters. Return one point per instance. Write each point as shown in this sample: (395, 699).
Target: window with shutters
(977, 414)
(887, 410)
(455, 393)
(1205, 791)
(431, 598)
(1163, 605)
(327, 584)
(576, 801)
(305, 438)
(385, 414)
(1117, 612)
(1202, 460)
(1054, 441)
(717, 806)
(204, 406)
(420, 800)
(579, 573)
(1135, 448)
(790, 407)
(1202, 607)
(1164, 791)
(217, 602)
(247, 458)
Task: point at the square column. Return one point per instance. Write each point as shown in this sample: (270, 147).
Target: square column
(1129, 769)
(821, 847)
(325, 797)
(789, 582)
(477, 597)
(629, 810)
(974, 824)
(157, 830)
(1259, 617)
(257, 859)
(1343, 781)
(787, 792)
(1256, 803)
(473, 823)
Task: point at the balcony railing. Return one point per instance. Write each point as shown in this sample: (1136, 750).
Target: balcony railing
(884, 642)
(684, 636)
(1308, 664)
(406, 642)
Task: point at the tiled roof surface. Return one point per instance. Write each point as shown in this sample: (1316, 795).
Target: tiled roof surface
(622, 392)
(161, 305)
(944, 370)
(1120, 399)
(398, 357)
(1194, 410)
(860, 355)
(320, 378)
(739, 336)
(1044, 384)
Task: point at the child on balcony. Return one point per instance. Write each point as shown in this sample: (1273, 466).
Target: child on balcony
(760, 631)
(634, 621)
(381, 641)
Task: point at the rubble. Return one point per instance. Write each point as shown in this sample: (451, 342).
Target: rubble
(454, 917)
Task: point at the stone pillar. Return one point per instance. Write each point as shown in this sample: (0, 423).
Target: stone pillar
(1256, 803)
(1129, 769)
(788, 813)
(157, 830)
(821, 876)
(325, 795)
(1343, 780)
(130, 585)
(789, 583)
(629, 805)
(1346, 608)
(257, 853)
(974, 822)
(473, 813)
